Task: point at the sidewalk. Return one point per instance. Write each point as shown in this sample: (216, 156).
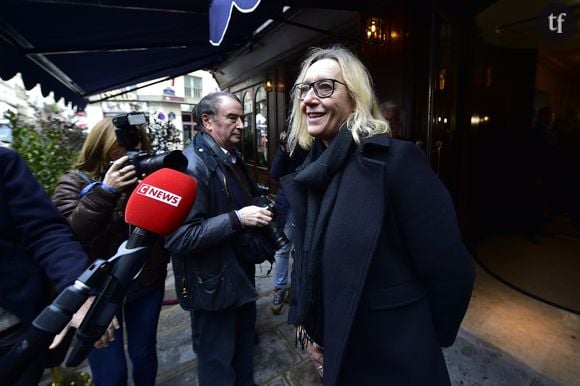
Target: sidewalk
(471, 360)
(276, 360)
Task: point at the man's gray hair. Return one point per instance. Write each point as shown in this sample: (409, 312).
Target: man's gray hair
(208, 105)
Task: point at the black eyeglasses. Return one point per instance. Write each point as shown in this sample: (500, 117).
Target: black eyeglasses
(323, 88)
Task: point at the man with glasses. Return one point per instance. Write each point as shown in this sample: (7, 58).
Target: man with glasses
(212, 279)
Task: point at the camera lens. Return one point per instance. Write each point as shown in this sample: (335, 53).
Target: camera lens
(278, 236)
(275, 234)
(147, 164)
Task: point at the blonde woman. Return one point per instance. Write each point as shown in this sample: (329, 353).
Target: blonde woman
(381, 277)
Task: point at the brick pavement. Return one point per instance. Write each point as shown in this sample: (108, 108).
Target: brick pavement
(471, 361)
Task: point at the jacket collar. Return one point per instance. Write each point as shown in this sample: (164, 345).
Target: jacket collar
(203, 142)
(369, 146)
(374, 142)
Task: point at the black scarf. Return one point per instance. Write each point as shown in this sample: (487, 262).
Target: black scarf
(322, 178)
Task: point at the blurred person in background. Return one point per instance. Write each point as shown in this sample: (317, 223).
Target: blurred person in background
(392, 114)
(283, 164)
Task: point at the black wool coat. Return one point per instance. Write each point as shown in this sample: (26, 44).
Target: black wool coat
(204, 246)
(38, 252)
(396, 277)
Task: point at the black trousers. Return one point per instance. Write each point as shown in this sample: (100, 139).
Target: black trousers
(224, 344)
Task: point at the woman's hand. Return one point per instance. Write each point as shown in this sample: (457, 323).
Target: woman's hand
(121, 176)
(317, 356)
(108, 335)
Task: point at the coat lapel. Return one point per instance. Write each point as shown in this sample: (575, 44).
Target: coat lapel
(353, 232)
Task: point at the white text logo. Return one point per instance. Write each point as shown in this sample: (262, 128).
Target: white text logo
(559, 19)
(159, 194)
(557, 22)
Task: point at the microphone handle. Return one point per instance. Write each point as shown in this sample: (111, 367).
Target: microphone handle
(128, 263)
(99, 316)
(139, 238)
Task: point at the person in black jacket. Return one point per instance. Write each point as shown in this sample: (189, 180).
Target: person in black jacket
(381, 278)
(212, 279)
(283, 164)
(38, 256)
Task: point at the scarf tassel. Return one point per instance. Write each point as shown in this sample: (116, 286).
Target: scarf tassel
(301, 338)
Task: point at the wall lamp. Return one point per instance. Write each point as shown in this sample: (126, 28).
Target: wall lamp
(269, 85)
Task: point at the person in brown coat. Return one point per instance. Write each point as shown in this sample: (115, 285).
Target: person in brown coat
(93, 199)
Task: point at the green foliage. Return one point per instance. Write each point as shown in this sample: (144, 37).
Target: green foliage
(49, 144)
(164, 136)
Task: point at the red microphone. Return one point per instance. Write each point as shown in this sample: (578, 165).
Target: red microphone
(159, 204)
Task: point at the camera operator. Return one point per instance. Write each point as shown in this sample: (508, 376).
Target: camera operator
(93, 199)
(213, 280)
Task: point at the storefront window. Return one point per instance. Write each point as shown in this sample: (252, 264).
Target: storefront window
(262, 127)
(249, 128)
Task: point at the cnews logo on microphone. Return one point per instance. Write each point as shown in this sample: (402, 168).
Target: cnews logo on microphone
(159, 194)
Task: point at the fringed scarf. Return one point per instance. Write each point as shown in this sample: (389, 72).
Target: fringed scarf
(322, 178)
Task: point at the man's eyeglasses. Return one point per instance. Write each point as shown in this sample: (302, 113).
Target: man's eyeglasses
(323, 88)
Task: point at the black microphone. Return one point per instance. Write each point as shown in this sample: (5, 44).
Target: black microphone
(158, 206)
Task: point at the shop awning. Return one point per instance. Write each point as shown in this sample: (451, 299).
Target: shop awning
(80, 48)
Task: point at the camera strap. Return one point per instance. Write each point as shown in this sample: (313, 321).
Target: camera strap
(92, 184)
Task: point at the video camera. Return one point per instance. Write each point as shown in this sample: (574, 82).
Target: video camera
(129, 137)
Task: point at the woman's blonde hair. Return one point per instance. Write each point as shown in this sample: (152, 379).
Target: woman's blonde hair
(365, 121)
(100, 143)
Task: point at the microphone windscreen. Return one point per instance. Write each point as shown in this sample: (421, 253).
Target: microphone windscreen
(161, 202)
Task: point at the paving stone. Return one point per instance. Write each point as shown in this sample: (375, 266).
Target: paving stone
(266, 320)
(278, 381)
(304, 375)
(171, 317)
(472, 361)
(272, 356)
(180, 377)
(174, 349)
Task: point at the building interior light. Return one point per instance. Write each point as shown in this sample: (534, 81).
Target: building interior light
(374, 30)
(269, 85)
